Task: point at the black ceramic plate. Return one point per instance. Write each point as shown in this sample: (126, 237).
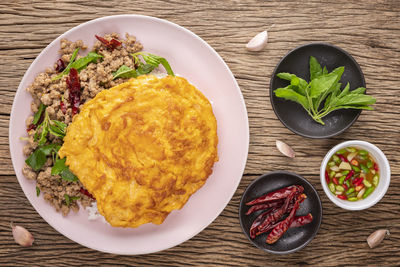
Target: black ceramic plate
(291, 114)
(295, 238)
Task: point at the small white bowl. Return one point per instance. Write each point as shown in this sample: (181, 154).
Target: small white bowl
(384, 176)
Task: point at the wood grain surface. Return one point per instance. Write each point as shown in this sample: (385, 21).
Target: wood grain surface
(369, 30)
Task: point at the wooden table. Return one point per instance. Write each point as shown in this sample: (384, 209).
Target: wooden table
(369, 30)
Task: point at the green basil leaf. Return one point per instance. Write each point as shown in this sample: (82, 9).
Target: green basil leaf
(62, 127)
(324, 71)
(289, 94)
(43, 134)
(153, 61)
(345, 91)
(38, 114)
(166, 66)
(144, 69)
(82, 63)
(59, 166)
(356, 100)
(56, 131)
(322, 84)
(66, 70)
(285, 76)
(36, 160)
(124, 72)
(353, 107)
(49, 148)
(299, 84)
(68, 175)
(315, 68)
(67, 200)
(37, 191)
(359, 90)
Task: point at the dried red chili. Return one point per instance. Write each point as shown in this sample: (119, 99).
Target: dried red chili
(112, 44)
(301, 220)
(299, 198)
(298, 221)
(258, 221)
(60, 65)
(86, 193)
(31, 127)
(283, 226)
(275, 195)
(63, 107)
(275, 216)
(74, 87)
(264, 206)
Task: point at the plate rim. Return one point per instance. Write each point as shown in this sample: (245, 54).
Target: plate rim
(273, 76)
(157, 20)
(263, 176)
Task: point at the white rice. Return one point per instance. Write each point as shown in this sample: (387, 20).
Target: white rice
(94, 213)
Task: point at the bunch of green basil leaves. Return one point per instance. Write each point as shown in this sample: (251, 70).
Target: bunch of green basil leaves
(323, 93)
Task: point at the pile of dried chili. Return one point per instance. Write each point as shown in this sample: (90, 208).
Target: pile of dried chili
(276, 205)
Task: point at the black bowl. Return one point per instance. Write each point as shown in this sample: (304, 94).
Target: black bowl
(295, 238)
(291, 114)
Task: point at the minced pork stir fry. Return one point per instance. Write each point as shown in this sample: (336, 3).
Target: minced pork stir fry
(57, 95)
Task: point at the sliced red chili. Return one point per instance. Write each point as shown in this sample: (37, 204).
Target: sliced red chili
(112, 44)
(376, 167)
(349, 175)
(328, 180)
(342, 158)
(74, 87)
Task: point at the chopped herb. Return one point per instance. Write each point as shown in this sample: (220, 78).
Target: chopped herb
(38, 158)
(61, 169)
(37, 191)
(323, 86)
(53, 127)
(67, 175)
(82, 63)
(66, 70)
(69, 199)
(38, 114)
(151, 60)
(124, 72)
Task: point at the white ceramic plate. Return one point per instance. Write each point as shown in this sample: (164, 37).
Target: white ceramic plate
(193, 59)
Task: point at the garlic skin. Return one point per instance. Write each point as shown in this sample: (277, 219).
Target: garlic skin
(285, 149)
(258, 42)
(376, 237)
(22, 236)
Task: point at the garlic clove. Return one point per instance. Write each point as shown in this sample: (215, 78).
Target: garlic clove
(285, 149)
(258, 42)
(376, 237)
(22, 236)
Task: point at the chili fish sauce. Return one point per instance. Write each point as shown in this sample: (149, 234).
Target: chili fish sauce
(352, 174)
